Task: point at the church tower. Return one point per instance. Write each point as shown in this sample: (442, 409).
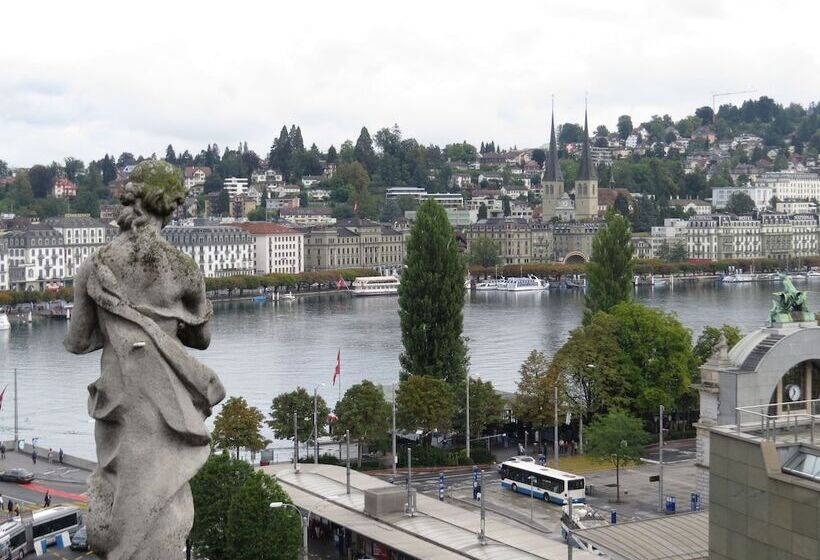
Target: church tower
(586, 185)
(552, 181)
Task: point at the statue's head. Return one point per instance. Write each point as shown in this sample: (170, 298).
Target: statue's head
(154, 189)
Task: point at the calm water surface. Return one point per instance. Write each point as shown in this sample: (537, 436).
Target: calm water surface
(261, 350)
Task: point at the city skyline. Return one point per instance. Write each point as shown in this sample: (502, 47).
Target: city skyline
(138, 81)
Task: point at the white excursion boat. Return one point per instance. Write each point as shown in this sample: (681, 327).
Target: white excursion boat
(487, 285)
(525, 284)
(813, 274)
(4, 322)
(375, 286)
(738, 278)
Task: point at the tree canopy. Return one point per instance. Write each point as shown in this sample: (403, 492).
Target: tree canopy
(740, 203)
(618, 438)
(364, 411)
(484, 252)
(609, 272)
(535, 395)
(425, 403)
(238, 426)
(708, 339)
(431, 300)
(301, 402)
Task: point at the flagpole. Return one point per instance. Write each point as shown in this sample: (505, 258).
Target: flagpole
(16, 434)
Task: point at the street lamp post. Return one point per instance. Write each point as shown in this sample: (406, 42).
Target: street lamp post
(302, 519)
(395, 457)
(316, 424)
(555, 431)
(532, 494)
(467, 428)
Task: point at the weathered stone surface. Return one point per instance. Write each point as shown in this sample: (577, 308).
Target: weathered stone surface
(141, 301)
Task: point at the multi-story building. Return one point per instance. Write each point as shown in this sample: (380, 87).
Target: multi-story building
(4, 263)
(774, 236)
(308, 216)
(36, 258)
(447, 200)
(572, 241)
(278, 249)
(760, 194)
(355, 244)
(791, 185)
(457, 218)
(235, 185)
(82, 237)
(63, 188)
(691, 206)
(194, 177)
(217, 250)
(795, 207)
(517, 240)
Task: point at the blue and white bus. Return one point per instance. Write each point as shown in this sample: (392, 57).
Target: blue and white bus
(547, 484)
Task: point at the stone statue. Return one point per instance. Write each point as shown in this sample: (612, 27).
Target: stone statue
(141, 300)
(790, 305)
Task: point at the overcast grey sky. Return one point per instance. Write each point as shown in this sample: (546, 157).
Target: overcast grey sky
(83, 81)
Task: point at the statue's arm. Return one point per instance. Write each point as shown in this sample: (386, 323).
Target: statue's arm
(196, 336)
(84, 330)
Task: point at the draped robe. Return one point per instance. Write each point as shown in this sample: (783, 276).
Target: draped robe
(138, 299)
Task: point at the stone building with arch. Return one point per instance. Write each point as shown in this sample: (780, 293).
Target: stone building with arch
(777, 365)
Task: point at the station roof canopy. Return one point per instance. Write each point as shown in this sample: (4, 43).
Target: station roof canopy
(683, 536)
(437, 531)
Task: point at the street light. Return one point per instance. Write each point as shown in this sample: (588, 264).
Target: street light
(302, 519)
(532, 491)
(395, 457)
(467, 423)
(316, 424)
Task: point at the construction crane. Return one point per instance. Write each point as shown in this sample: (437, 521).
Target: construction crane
(716, 95)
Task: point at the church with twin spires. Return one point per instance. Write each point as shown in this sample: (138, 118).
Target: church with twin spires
(556, 202)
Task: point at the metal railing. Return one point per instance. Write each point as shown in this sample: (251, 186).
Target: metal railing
(786, 419)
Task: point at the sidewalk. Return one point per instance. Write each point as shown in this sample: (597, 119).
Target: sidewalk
(43, 470)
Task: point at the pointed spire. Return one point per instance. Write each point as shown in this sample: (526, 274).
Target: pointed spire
(586, 172)
(552, 167)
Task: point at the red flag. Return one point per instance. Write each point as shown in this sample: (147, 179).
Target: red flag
(2, 394)
(338, 371)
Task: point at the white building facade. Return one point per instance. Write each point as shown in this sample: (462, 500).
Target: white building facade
(761, 195)
(791, 185)
(277, 249)
(235, 186)
(217, 250)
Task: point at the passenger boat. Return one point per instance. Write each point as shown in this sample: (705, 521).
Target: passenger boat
(375, 286)
(738, 278)
(525, 284)
(4, 322)
(487, 285)
(287, 297)
(813, 274)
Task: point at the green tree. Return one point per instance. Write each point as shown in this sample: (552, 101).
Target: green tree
(331, 156)
(239, 425)
(170, 155)
(213, 488)
(740, 203)
(505, 205)
(656, 352)
(364, 153)
(254, 530)
(621, 205)
(108, 168)
(618, 438)
(213, 183)
(674, 253)
(624, 126)
(482, 211)
(431, 300)
(41, 179)
(589, 361)
(483, 252)
(50, 207)
(486, 407)
(364, 411)
(708, 339)
(534, 396)
(570, 132)
(300, 402)
(425, 403)
(609, 272)
(4, 169)
(73, 167)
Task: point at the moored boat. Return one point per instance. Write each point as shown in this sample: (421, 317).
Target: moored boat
(375, 286)
(525, 284)
(4, 322)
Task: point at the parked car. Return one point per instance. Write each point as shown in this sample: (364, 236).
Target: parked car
(80, 540)
(17, 475)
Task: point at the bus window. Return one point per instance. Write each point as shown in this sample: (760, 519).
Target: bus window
(576, 484)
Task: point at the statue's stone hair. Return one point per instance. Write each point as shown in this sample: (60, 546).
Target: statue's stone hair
(154, 188)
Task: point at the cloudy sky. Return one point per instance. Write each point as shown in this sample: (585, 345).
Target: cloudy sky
(83, 81)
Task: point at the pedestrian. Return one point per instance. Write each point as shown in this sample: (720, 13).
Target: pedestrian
(1, 502)
(50, 456)
(10, 507)
(520, 448)
(3, 451)
(17, 510)
(47, 500)
(60, 455)
(34, 456)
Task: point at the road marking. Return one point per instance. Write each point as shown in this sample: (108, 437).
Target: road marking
(56, 493)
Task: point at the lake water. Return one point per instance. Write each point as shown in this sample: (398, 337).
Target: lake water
(261, 350)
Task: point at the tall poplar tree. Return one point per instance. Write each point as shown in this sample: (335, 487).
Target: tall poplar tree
(431, 300)
(609, 273)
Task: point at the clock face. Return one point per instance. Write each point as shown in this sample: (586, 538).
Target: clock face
(794, 392)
